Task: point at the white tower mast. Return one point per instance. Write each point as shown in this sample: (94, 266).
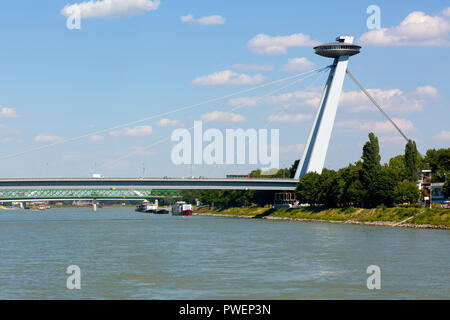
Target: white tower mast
(315, 151)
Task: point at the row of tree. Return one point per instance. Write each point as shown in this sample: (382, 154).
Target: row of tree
(366, 183)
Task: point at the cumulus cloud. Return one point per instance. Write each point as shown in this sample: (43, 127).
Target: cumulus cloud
(297, 65)
(376, 126)
(265, 44)
(289, 117)
(444, 135)
(8, 112)
(417, 29)
(392, 139)
(169, 123)
(111, 8)
(426, 91)
(228, 77)
(386, 126)
(133, 132)
(220, 116)
(208, 20)
(309, 98)
(392, 100)
(47, 138)
(252, 67)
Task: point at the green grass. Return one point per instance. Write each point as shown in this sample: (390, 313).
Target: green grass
(422, 215)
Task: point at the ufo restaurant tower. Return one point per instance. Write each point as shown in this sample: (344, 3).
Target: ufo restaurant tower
(315, 151)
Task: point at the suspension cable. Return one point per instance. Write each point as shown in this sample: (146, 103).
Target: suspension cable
(159, 115)
(233, 109)
(376, 104)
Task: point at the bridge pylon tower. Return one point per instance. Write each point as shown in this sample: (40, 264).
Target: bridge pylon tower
(313, 158)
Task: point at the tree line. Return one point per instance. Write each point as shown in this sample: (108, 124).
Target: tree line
(366, 183)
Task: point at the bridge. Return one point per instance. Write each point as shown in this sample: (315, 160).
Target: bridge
(312, 160)
(126, 188)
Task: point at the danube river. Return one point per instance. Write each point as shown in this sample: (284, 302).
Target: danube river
(127, 255)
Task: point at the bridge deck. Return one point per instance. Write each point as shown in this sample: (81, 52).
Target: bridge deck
(148, 183)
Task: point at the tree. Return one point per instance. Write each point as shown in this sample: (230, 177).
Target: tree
(190, 196)
(398, 165)
(412, 161)
(370, 171)
(439, 162)
(329, 188)
(406, 192)
(293, 168)
(169, 200)
(308, 188)
(351, 189)
(382, 189)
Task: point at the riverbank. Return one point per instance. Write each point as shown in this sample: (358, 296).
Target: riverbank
(393, 217)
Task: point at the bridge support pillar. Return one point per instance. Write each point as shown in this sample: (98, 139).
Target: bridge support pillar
(313, 158)
(94, 205)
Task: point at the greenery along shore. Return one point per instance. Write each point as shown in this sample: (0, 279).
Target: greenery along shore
(365, 184)
(385, 216)
(382, 194)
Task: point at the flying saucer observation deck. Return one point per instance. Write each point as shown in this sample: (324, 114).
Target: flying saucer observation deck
(337, 49)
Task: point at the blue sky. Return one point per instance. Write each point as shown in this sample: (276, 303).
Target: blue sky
(130, 64)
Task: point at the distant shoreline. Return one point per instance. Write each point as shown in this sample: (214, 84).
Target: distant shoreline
(430, 218)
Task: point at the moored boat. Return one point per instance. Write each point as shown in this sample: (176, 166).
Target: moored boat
(147, 207)
(182, 208)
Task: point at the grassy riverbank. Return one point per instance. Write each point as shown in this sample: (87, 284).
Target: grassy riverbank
(419, 217)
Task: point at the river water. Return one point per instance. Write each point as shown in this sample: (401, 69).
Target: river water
(127, 255)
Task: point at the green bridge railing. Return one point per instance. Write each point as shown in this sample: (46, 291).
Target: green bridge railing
(86, 194)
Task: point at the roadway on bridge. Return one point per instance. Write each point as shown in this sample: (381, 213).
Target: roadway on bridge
(149, 183)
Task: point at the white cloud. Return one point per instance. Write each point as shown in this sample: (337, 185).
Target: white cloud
(6, 140)
(228, 77)
(391, 100)
(392, 139)
(111, 8)
(208, 20)
(133, 132)
(252, 67)
(298, 148)
(265, 44)
(8, 112)
(426, 91)
(289, 118)
(444, 135)
(417, 29)
(297, 65)
(221, 116)
(169, 123)
(309, 98)
(386, 126)
(375, 126)
(48, 138)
